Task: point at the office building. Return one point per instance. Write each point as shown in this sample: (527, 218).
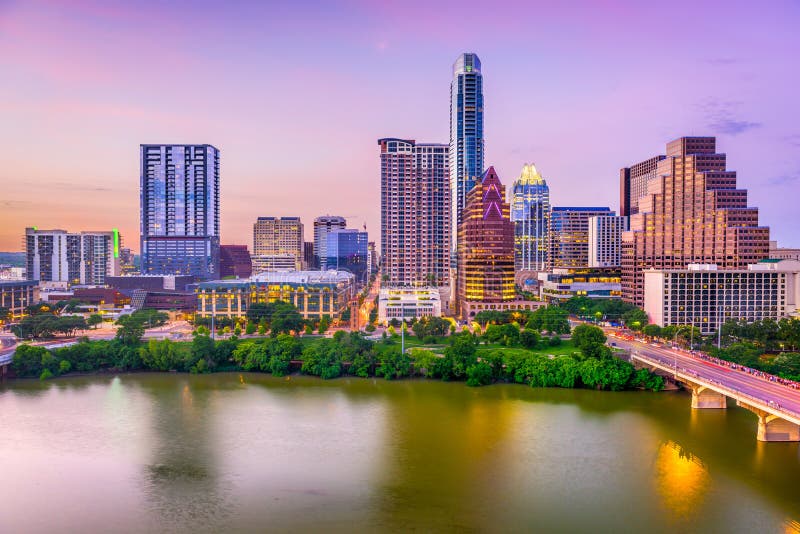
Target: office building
(783, 253)
(314, 293)
(322, 227)
(179, 210)
(595, 283)
(406, 303)
(466, 136)
(415, 217)
(308, 256)
(704, 296)
(279, 237)
(274, 262)
(372, 257)
(347, 251)
(633, 182)
(58, 259)
(234, 261)
(693, 213)
(17, 295)
(569, 235)
(605, 240)
(485, 248)
(530, 213)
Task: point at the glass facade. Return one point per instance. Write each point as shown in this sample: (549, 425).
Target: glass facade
(466, 134)
(530, 213)
(179, 202)
(347, 251)
(569, 235)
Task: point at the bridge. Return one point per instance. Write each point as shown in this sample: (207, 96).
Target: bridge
(776, 405)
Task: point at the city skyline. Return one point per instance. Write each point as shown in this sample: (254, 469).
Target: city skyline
(574, 84)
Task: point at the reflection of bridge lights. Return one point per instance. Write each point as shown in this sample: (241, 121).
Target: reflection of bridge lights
(681, 479)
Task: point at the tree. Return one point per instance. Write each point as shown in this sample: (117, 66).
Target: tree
(94, 320)
(584, 335)
(394, 364)
(635, 319)
(162, 355)
(250, 329)
(461, 354)
(27, 360)
(324, 324)
(479, 374)
(130, 331)
(529, 339)
(652, 330)
(549, 319)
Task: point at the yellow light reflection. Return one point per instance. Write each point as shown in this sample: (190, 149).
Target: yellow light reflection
(681, 479)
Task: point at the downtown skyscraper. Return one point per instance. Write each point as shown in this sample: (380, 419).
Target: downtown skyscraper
(415, 212)
(691, 213)
(466, 135)
(530, 213)
(179, 201)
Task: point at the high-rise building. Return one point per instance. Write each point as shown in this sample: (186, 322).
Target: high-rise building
(605, 240)
(530, 213)
(347, 251)
(180, 209)
(466, 135)
(372, 257)
(234, 261)
(279, 237)
(415, 216)
(59, 258)
(322, 227)
(485, 248)
(692, 213)
(633, 182)
(308, 256)
(569, 235)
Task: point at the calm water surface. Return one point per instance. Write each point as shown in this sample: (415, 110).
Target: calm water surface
(244, 452)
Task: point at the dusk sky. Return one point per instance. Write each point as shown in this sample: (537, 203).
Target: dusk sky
(296, 94)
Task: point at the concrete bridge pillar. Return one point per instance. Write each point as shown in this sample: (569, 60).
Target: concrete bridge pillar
(704, 398)
(773, 428)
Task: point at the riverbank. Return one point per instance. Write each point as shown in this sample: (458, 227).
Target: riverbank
(565, 364)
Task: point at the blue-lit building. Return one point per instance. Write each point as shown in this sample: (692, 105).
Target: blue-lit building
(347, 251)
(466, 135)
(530, 213)
(179, 199)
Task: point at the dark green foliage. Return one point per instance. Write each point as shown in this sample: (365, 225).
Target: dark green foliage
(529, 339)
(323, 360)
(635, 319)
(45, 325)
(584, 335)
(554, 341)
(393, 364)
(551, 319)
(479, 374)
(428, 327)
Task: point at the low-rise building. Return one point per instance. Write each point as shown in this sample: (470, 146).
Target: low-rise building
(235, 261)
(704, 296)
(16, 295)
(783, 253)
(314, 293)
(594, 283)
(408, 303)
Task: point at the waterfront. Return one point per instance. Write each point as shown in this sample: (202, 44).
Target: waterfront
(247, 452)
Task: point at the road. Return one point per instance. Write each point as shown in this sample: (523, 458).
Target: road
(739, 381)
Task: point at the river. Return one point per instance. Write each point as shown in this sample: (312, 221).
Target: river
(249, 452)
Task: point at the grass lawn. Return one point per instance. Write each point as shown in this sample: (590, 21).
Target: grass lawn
(566, 348)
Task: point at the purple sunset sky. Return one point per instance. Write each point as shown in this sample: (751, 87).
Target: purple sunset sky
(295, 95)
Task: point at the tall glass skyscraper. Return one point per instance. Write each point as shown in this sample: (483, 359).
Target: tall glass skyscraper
(466, 135)
(179, 200)
(530, 213)
(347, 251)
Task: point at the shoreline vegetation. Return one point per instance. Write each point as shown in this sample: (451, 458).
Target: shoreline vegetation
(539, 355)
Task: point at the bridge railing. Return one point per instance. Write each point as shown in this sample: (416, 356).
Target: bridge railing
(766, 404)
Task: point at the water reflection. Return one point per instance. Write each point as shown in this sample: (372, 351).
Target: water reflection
(682, 481)
(180, 481)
